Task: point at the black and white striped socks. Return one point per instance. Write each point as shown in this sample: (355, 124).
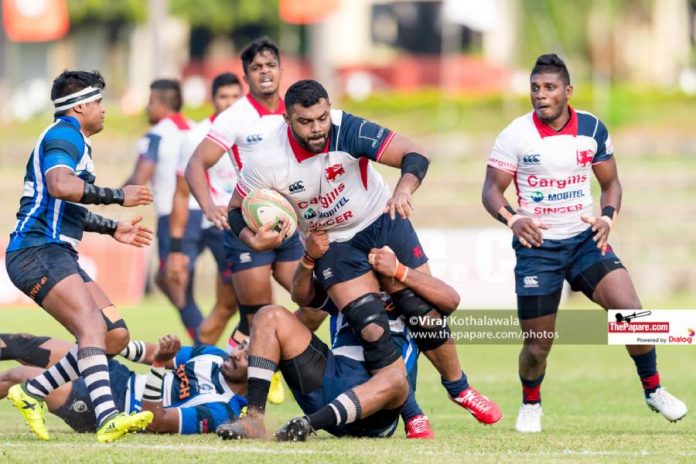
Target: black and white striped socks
(135, 351)
(343, 410)
(259, 377)
(62, 372)
(94, 369)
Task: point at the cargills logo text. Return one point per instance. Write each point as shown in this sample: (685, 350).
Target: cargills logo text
(536, 181)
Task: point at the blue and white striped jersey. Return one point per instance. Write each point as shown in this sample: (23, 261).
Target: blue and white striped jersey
(197, 388)
(43, 219)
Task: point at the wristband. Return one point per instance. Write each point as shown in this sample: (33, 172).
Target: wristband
(93, 195)
(236, 220)
(100, 224)
(416, 164)
(505, 214)
(609, 211)
(175, 244)
(307, 261)
(401, 272)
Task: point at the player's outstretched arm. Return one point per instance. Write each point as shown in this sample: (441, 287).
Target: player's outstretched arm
(527, 230)
(129, 232)
(62, 183)
(413, 161)
(204, 157)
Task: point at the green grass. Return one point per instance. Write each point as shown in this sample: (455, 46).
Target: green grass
(594, 413)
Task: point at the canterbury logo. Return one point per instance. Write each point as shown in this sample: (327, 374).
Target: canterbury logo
(531, 159)
(254, 138)
(296, 187)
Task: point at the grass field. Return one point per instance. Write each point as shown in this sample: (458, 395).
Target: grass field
(594, 412)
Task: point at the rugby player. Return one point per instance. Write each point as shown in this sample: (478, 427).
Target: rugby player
(200, 388)
(42, 259)
(158, 154)
(226, 89)
(238, 131)
(551, 154)
(319, 160)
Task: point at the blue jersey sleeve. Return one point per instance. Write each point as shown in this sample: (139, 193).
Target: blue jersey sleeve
(62, 146)
(206, 418)
(362, 138)
(604, 147)
(188, 352)
(148, 147)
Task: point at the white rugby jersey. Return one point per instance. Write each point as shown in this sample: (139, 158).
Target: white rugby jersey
(338, 190)
(241, 127)
(553, 170)
(221, 177)
(162, 145)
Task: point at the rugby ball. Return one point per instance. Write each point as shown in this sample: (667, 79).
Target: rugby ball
(263, 206)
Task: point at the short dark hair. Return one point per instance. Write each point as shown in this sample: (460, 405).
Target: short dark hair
(306, 93)
(260, 45)
(170, 92)
(224, 79)
(551, 63)
(70, 82)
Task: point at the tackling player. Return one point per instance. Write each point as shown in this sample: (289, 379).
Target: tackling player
(551, 154)
(42, 259)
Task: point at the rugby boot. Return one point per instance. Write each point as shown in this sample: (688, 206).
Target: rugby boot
(529, 418)
(122, 423)
(33, 410)
(296, 429)
(662, 401)
(483, 409)
(418, 427)
(245, 427)
(276, 392)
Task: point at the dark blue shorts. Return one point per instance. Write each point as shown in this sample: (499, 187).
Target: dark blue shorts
(348, 260)
(541, 271)
(213, 239)
(36, 270)
(78, 412)
(240, 257)
(340, 374)
(190, 243)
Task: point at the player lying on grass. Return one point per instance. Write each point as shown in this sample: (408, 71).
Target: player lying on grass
(333, 386)
(189, 390)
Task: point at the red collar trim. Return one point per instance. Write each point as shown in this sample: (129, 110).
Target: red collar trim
(262, 110)
(570, 128)
(212, 117)
(300, 153)
(179, 120)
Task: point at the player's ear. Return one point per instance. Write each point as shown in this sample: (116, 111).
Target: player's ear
(569, 91)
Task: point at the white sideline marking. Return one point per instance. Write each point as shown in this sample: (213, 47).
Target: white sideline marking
(371, 452)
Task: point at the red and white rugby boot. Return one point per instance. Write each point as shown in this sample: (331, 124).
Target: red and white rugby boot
(418, 427)
(480, 406)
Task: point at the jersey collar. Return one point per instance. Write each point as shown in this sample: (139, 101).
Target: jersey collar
(262, 110)
(570, 128)
(300, 153)
(70, 120)
(179, 120)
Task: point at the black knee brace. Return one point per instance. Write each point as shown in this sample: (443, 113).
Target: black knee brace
(120, 324)
(430, 332)
(25, 347)
(362, 312)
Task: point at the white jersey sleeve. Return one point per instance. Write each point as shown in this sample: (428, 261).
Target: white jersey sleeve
(504, 154)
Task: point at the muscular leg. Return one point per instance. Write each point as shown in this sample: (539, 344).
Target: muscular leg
(283, 272)
(117, 335)
(72, 304)
(225, 307)
(253, 289)
(532, 359)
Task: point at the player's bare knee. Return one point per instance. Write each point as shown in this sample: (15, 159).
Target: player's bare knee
(117, 340)
(536, 353)
(270, 316)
